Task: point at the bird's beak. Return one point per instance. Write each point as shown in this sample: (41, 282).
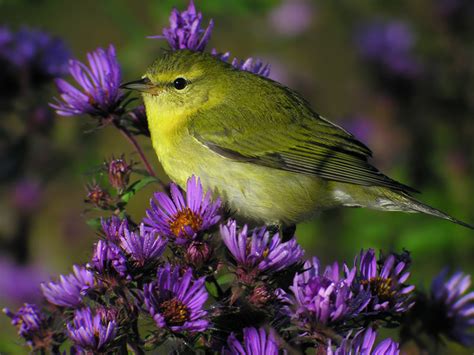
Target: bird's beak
(142, 85)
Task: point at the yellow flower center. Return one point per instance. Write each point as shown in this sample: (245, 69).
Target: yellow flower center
(174, 312)
(380, 287)
(185, 218)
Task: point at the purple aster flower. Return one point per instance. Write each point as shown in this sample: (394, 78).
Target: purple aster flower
(20, 283)
(109, 261)
(363, 343)
(70, 289)
(114, 228)
(390, 45)
(175, 300)
(185, 30)
(100, 82)
(36, 50)
(31, 324)
(5, 38)
(144, 248)
(252, 65)
(255, 66)
(292, 17)
(182, 219)
(259, 251)
(255, 342)
(92, 332)
(384, 279)
(453, 306)
(323, 298)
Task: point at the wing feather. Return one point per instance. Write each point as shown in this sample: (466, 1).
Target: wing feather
(281, 131)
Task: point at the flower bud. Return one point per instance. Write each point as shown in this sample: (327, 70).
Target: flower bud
(119, 173)
(260, 296)
(97, 196)
(198, 253)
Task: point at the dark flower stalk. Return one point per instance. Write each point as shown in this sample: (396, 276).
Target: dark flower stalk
(100, 95)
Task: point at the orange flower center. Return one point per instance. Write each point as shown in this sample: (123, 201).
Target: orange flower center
(174, 312)
(380, 287)
(248, 247)
(185, 218)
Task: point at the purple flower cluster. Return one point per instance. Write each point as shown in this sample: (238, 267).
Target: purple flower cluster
(28, 319)
(252, 65)
(363, 343)
(323, 297)
(336, 309)
(114, 228)
(143, 248)
(200, 281)
(175, 300)
(255, 341)
(70, 290)
(384, 280)
(180, 217)
(34, 50)
(258, 252)
(92, 332)
(454, 306)
(185, 32)
(391, 46)
(100, 82)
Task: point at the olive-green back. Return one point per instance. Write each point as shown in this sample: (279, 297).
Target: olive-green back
(262, 122)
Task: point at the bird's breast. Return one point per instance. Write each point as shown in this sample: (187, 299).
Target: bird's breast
(254, 193)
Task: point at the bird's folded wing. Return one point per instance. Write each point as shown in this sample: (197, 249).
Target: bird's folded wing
(283, 133)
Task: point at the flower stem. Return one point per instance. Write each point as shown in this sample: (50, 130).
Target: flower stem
(139, 150)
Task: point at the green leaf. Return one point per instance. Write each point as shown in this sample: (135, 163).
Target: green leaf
(137, 186)
(225, 279)
(212, 289)
(94, 223)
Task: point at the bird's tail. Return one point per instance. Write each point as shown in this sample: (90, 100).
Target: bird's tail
(409, 204)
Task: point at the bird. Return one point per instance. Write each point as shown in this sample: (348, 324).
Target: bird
(259, 145)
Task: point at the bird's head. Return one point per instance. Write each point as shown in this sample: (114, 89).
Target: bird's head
(181, 82)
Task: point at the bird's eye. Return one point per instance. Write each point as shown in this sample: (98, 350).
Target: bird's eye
(180, 83)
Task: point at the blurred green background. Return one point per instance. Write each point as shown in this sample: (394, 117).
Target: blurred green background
(414, 109)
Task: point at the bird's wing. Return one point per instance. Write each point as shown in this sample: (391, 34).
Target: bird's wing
(281, 131)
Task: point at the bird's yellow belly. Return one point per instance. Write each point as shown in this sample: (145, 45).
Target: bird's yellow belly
(256, 194)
